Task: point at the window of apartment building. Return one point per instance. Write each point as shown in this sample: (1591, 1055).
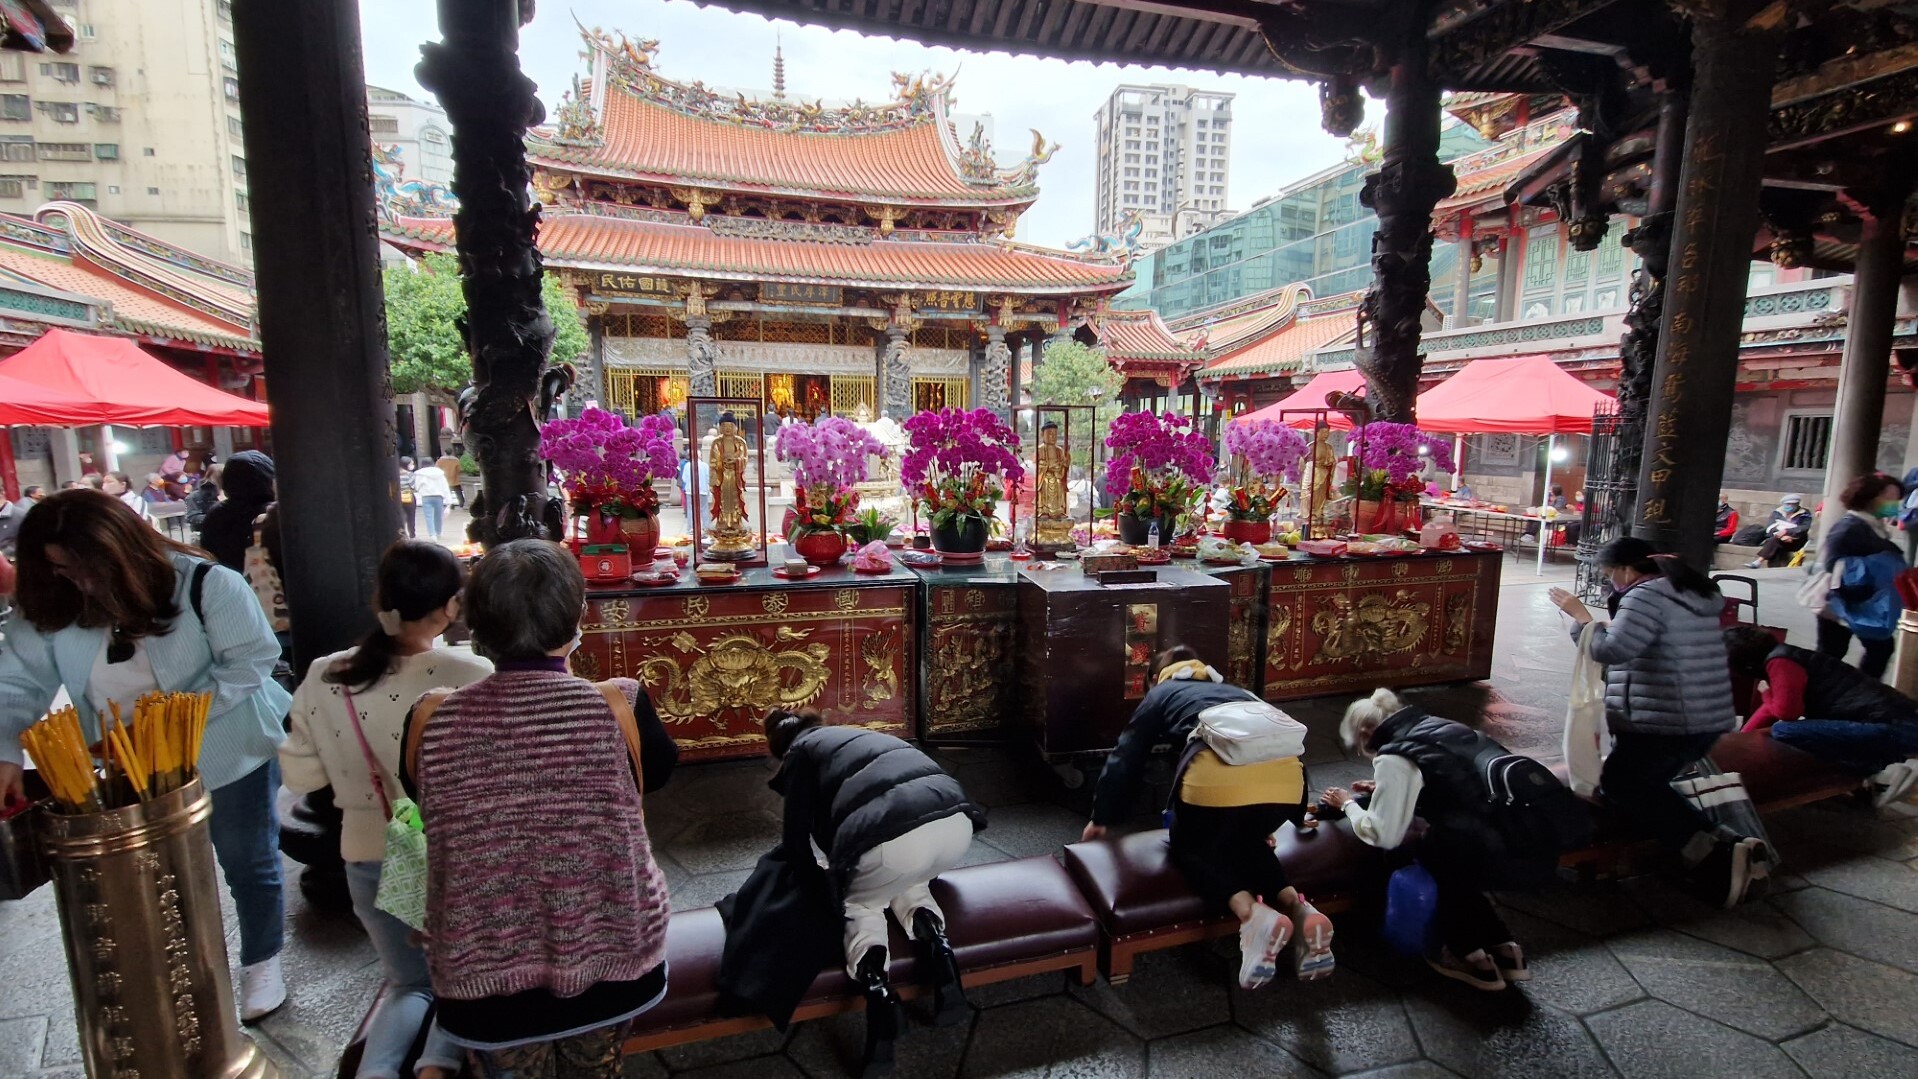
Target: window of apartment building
(65, 151)
(14, 187)
(246, 241)
(1132, 144)
(239, 167)
(383, 125)
(106, 114)
(101, 76)
(16, 107)
(232, 89)
(13, 67)
(227, 55)
(1132, 159)
(1806, 443)
(153, 191)
(1132, 172)
(61, 71)
(224, 9)
(82, 191)
(241, 203)
(106, 151)
(60, 112)
(17, 148)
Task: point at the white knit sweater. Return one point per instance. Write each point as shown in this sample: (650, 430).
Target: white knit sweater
(321, 750)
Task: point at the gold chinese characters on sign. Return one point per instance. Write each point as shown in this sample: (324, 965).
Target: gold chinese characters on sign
(949, 300)
(789, 293)
(626, 284)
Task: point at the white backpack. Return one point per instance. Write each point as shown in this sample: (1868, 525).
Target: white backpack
(1250, 732)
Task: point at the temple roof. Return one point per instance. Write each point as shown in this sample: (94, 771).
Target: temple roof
(1142, 337)
(592, 242)
(1485, 176)
(629, 123)
(1283, 348)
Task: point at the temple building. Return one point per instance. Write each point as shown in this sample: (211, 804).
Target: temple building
(855, 259)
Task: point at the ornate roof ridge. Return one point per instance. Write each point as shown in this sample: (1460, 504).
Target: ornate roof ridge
(99, 242)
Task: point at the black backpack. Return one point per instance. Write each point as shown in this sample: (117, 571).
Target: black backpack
(1536, 814)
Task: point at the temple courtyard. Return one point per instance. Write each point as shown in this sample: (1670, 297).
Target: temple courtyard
(1632, 977)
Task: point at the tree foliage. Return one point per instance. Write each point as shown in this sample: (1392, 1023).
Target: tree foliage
(1067, 375)
(423, 306)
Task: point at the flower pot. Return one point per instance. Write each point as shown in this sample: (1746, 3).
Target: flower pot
(1137, 531)
(602, 531)
(640, 535)
(962, 539)
(1388, 517)
(820, 546)
(1253, 532)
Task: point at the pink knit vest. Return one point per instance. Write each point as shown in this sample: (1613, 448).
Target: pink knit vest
(540, 874)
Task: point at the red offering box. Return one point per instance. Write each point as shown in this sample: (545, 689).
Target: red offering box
(606, 562)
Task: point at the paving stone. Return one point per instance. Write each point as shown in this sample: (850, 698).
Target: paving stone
(1871, 996)
(1220, 1051)
(1859, 926)
(1570, 970)
(757, 1043)
(1346, 1023)
(1023, 831)
(20, 1043)
(1338, 773)
(1599, 909)
(725, 843)
(1653, 1040)
(835, 1046)
(1032, 987)
(998, 783)
(1170, 992)
(320, 1017)
(1051, 1038)
(643, 1066)
(1418, 1069)
(765, 1067)
(1843, 1050)
(1754, 928)
(1495, 1035)
(707, 889)
(1891, 883)
(1731, 987)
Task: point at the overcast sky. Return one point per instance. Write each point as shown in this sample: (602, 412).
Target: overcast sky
(1275, 133)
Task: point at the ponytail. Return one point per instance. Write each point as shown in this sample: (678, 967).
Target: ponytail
(782, 726)
(415, 579)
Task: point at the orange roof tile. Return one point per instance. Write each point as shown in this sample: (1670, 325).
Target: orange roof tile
(134, 310)
(1141, 335)
(1284, 350)
(1484, 185)
(588, 242)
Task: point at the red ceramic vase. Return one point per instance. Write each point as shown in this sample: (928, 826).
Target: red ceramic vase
(820, 546)
(640, 534)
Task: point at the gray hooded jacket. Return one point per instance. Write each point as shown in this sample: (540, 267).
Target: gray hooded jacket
(1665, 665)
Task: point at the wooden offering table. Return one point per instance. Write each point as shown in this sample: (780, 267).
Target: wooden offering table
(716, 657)
(968, 627)
(1352, 625)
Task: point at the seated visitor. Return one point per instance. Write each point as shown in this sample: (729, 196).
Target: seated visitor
(1223, 817)
(1567, 518)
(888, 820)
(533, 776)
(1829, 709)
(1725, 525)
(1786, 531)
(1476, 838)
(345, 734)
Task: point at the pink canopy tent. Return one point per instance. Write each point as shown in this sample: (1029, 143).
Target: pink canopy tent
(1312, 395)
(1529, 395)
(110, 380)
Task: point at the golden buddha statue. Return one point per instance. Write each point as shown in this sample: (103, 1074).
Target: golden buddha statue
(730, 540)
(1052, 519)
(1319, 475)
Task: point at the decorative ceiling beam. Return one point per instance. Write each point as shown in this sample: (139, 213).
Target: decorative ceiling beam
(1880, 102)
(1455, 53)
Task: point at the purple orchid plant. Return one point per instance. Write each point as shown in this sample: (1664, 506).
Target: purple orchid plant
(1391, 454)
(958, 462)
(1158, 463)
(607, 466)
(1271, 449)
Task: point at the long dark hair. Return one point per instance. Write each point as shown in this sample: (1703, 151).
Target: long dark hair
(415, 578)
(1630, 552)
(782, 726)
(127, 563)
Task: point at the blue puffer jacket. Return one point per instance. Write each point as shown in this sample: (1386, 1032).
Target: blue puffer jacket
(1665, 665)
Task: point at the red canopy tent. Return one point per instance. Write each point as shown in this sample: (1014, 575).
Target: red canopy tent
(1312, 395)
(30, 405)
(110, 380)
(1529, 395)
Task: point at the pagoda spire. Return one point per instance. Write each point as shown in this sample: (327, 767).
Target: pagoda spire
(779, 69)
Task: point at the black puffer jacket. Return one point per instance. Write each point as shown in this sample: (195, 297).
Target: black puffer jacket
(1835, 689)
(1165, 717)
(228, 529)
(850, 790)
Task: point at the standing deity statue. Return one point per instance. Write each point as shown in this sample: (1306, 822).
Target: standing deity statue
(1053, 522)
(726, 461)
(1319, 475)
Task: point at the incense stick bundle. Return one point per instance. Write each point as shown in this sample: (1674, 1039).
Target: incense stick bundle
(157, 754)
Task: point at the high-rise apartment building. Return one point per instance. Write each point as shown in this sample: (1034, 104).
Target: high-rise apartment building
(416, 131)
(1163, 153)
(141, 121)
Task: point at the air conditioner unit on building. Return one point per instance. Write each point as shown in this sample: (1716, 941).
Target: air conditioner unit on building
(103, 78)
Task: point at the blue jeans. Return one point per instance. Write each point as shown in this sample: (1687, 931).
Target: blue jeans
(409, 989)
(246, 839)
(435, 508)
(1861, 748)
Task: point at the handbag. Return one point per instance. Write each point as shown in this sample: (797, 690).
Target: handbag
(1722, 797)
(1250, 732)
(1815, 593)
(267, 588)
(1411, 903)
(1587, 737)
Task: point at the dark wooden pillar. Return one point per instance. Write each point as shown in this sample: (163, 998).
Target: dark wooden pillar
(1690, 409)
(1859, 415)
(317, 275)
(1410, 181)
(475, 74)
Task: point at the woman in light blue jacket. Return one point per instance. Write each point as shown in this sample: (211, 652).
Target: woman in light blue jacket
(109, 610)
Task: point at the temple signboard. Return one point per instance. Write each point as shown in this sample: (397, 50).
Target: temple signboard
(627, 284)
(950, 300)
(790, 293)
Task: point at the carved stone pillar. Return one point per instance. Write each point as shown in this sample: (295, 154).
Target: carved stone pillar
(897, 403)
(1689, 417)
(1410, 181)
(702, 357)
(476, 76)
(1858, 417)
(995, 373)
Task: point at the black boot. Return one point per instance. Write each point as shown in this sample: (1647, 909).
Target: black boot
(882, 1015)
(949, 1007)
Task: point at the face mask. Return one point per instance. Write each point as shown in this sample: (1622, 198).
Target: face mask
(1888, 510)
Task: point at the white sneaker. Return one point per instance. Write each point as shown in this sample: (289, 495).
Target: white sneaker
(262, 990)
(1261, 938)
(1897, 781)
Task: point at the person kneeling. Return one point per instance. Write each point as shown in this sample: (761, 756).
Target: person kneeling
(1223, 816)
(1830, 709)
(1494, 820)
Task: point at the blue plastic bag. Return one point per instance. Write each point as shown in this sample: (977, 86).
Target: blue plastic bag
(1411, 901)
(1873, 617)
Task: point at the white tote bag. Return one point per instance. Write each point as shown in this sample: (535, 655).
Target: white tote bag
(1587, 738)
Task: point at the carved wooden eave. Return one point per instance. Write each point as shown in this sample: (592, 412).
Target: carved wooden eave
(1469, 35)
(1846, 96)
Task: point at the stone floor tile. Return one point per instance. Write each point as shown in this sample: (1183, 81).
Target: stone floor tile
(707, 889)
(643, 1066)
(1338, 773)
(1360, 950)
(1891, 883)
(754, 1044)
(1871, 996)
(1170, 992)
(1418, 1069)
(725, 843)
(1346, 1023)
(1731, 987)
(1754, 928)
(1000, 782)
(1570, 971)
(1653, 1040)
(320, 1017)
(1051, 1038)
(1599, 909)
(1222, 1051)
(20, 1043)
(1496, 1035)
(765, 1067)
(1843, 1050)
(1023, 831)
(835, 1046)
(1018, 990)
(63, 1033)
(1859, 926)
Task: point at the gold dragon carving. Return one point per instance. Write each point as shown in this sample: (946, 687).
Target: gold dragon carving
(737, 672)
(1372, 625)
(880, 654)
